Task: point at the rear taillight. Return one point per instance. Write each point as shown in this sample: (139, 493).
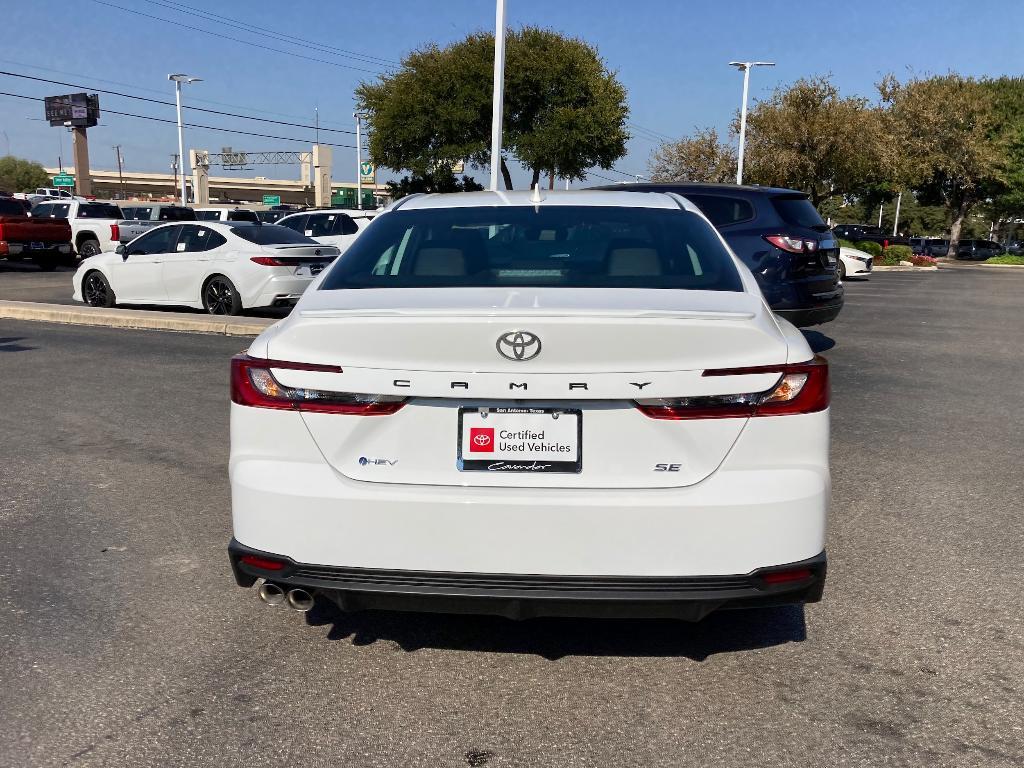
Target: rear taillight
(268, 261)
(253, 384)
(115, 233)
(800, 388)
(792, 244)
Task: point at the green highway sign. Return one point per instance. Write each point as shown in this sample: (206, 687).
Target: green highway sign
(271, 199)
(63, 180)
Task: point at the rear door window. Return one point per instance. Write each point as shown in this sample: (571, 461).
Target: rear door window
(321, 225)
(345, 226)
(723, 211)
(195, 238)
(295, 223)
(797, 211)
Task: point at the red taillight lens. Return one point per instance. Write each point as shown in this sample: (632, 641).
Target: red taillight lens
(115, 233)
(268, 261)
(783, 577)
(262, 562)
(253, 384)
(792, 244)
(801, 388)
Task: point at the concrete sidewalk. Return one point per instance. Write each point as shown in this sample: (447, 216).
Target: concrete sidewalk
(134, 318)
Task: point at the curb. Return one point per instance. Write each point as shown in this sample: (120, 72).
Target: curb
(136, 319)
(894, 268)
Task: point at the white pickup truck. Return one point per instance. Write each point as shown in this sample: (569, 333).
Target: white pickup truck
(94, 226)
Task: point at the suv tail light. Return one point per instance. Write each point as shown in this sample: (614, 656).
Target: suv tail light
(253, 384)
(801, 388)
(115, 233)
(792, 244)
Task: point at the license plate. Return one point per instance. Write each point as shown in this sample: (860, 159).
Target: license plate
(527, 440)
(37, 246)
(309, 270)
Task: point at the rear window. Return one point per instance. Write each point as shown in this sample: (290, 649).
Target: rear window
(99, 211)
(272, 234)
(797, 211)
(722, 211)
(177, 213)
(242, 216)
(557, 246)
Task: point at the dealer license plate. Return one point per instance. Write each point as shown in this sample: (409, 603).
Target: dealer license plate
(520, 440)
(35, 246)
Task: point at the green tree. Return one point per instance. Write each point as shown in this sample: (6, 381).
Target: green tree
(17, 175)
(564, 110)
(945, 139)
(700, 158)
(808, 137)
(441, 180)
(1005, 195)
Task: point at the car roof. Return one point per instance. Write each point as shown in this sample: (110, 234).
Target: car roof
(582, 197)
(707, 187)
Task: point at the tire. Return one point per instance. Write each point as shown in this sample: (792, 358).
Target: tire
(89, 247)
(220, 297)
(96, 291)
(842, 270)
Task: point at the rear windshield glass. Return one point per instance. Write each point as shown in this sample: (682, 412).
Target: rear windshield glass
(722, 211)
(177, 213)
(99, 211)
(798, 212)
(272, 234)
(560, 246)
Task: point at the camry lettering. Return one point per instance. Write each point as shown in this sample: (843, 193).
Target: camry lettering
(513, 385)
(460, 385)
(402, 383)
(639, 385)
(577, 385)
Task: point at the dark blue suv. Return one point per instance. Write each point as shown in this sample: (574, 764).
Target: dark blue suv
(780, 236)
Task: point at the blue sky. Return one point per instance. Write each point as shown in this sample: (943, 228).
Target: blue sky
(671, 56)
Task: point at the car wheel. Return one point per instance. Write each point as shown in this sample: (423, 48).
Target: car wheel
(89, 248)
(220, 297)
(842, 270)
(97, 291)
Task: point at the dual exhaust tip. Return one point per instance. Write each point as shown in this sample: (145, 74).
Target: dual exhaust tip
(272, 594)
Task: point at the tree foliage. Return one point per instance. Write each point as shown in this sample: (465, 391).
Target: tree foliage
(441, 180)
(808, 137)
(564, 111)
(700, 158)
(17, 175)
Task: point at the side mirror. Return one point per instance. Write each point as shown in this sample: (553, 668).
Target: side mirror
(121, 250)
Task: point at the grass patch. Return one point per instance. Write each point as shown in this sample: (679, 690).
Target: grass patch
(1006, 258)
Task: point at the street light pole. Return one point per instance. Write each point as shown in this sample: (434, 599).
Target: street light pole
(359, 160)
(497, 108)
(178, 80)
(745, 67)
(120, 173)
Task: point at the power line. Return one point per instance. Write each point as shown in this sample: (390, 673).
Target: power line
(235, 39)
(192, 125)
(272, 33)
(171, 103)
(657, 134)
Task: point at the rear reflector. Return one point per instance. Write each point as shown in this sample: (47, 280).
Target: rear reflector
(800, 388)
(253, 384)
(783, 577)
(262, 562)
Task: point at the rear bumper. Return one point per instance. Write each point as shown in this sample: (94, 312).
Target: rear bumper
(811, 315)
(280, 291)
(518, 596)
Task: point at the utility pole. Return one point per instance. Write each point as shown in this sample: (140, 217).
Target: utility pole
(120, 171)
(497, 108)
(316, 118)
(359, 160)
(745, 67)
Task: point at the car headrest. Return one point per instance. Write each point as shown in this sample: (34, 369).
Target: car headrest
(633, 261)
(440, 261)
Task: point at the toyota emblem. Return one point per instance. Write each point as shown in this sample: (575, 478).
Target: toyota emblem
(518, 345)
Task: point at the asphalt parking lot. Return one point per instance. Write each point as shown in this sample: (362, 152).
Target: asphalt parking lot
(127, 643)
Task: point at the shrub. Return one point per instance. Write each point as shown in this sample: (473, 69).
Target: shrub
(927, 261)
(846, 243)
(869, 247)
(899, 252)
(1006, 258)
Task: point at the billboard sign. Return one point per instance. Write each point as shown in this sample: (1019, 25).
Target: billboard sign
(80, 110)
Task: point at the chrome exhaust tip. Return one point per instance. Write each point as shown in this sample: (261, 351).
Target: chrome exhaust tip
(300, 600)
(271, 594)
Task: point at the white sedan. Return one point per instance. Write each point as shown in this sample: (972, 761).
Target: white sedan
(220, 267)
(854, 263)
(547, 403)
(330, 227)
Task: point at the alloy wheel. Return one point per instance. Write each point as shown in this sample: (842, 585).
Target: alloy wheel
(95, 291)
(219, 297)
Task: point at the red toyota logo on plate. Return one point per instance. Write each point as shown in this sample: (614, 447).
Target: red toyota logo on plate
(481, 440)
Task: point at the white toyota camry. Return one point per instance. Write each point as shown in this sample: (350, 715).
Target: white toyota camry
(532, 403)
(220, 267)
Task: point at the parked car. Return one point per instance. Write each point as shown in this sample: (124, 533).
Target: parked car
(226, 214)
(936, 248)
(978, 250)
(271, 216)
(781, 238)
(139, 219)
(857, 233)
(854, 263)
(220, 267)
(1015, 247)
(532, 405)
(331, 227)
(94, 225)
(47, 243)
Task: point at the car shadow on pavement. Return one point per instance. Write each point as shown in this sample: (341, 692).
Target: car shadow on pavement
(722, 632)
(10, 344)
(819, 341)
